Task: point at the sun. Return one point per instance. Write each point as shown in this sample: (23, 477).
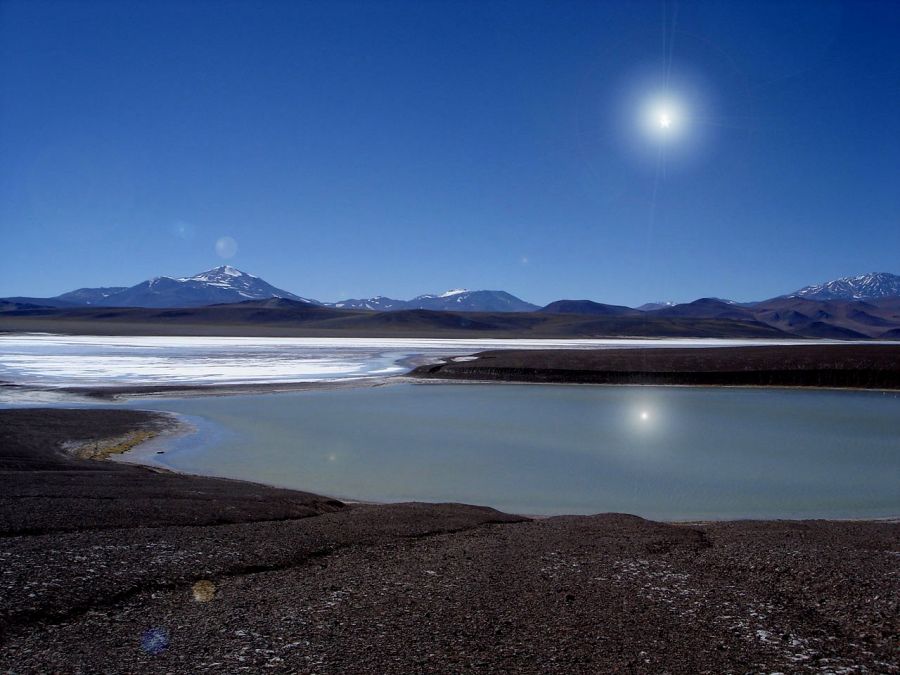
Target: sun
(663, 118)
(645, 415)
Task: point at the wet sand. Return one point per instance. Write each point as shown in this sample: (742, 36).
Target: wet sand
(187, 390)
(117, 568)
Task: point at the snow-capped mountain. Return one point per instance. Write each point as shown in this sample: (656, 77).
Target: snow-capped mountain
(248, 286)
(379, 303)
(457, 299)
(463, 300)
(446, 294)
(226, 284)
(219, 285)
(862, 287)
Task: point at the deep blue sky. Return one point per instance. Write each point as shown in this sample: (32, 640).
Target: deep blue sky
(396, 148)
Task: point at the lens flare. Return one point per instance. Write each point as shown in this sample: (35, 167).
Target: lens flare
(226, 247)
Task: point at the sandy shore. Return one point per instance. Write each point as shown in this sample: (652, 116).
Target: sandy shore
(188, 390)
(110, 567)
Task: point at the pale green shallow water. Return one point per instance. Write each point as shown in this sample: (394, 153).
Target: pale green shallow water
(660, 452)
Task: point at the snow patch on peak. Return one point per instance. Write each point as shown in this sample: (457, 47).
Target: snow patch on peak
(860, 287)
(220, 273)
(446, 294)
(229, 270)
(659, 304)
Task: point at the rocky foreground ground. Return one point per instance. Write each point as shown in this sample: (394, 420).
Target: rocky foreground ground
(113, 568)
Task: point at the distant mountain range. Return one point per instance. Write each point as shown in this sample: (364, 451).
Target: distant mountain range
(458, 300)
(220, 285)
(864, 306)
(228, 284)
(279, 317)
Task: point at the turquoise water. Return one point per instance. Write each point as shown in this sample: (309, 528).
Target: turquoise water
(659, 452)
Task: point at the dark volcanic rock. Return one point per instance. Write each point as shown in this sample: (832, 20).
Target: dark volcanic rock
(871, 366)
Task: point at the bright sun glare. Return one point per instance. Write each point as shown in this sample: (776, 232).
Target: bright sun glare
(663, 118)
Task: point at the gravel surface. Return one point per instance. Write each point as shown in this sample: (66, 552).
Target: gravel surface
(408, 588)
(861, 366)
(43, 488)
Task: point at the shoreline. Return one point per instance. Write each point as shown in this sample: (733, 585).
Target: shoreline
(144, 453)
(829, 366)
(122, 392)
(165, 425)
(98, 395)
(839, 367)
(777, 387)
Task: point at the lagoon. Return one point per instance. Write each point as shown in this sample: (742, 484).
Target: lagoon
(667, 453)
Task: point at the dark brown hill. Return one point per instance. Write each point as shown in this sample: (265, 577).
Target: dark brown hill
(707, 308)
(706, 317)
(588, 307)
(841, 319)
(288, 318)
